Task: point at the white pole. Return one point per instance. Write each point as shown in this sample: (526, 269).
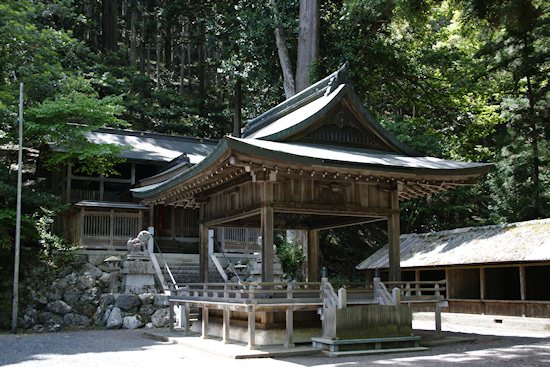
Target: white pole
(15, 305)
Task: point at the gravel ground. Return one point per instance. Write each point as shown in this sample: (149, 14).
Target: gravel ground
(103, 348)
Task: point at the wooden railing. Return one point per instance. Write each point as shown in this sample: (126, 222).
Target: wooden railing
(249, 293)
(103, 228)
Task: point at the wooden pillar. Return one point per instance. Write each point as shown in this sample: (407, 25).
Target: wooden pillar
(522, 289)
(417, 279)
(226, 323)
(313, 256)
(68, 187)
(204, 322)
(251, 327)
(393, 239)
(289, 341)
(203, 247)
(482, 289)
(267, 233)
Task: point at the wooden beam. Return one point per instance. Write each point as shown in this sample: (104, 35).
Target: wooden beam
(232, 216)
(337, 222)
(352, 211)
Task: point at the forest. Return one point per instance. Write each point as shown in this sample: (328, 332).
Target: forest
(463, 80)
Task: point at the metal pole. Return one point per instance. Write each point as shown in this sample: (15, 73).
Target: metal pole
(15, 305)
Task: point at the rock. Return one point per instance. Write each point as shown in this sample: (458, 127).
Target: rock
(96, 259)
(149, 325)
(61, 283)
(160, 318)
(59, 307)
(85, 281)
(98, 316)
(146, 298)
(85, 309)
(161, 300)
(38, 328)
(71, 296)
(72, 319)
(50, 318)
(72, 278)
(54, 328)
(106, 315)
(108, 299)
(147, 309)
(92, 271)
(39, 299)
(91, 295)
(115, 319)
(105, 279)
(132, 322)
(54, 294)
(128, 302)
(25, 322)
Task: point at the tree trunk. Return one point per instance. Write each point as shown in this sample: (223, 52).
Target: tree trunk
(237, 106)
(109, 25)
(284, 58)
(168, 44)
(308, 42)
(133, 38)
(182, 62)
(202, 61)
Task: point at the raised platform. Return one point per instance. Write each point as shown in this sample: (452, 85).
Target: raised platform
(351, 347)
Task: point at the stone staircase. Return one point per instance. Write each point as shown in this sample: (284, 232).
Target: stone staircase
(185, 269)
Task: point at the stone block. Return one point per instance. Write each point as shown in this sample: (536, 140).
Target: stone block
(59, 307)
(115, 319)
(128, 302)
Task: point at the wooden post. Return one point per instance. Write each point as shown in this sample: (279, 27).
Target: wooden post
(111, 230)
(438, 319)
(69, 179)
(482, 289)
(289, 341)
(226, 323)
(522, 288)
(417, 279)
(394, 248)
(185, 316)
(204, 322)
(393, 239)
(171, 316)
(251, 327)
(203, 248)
(313, 255)
(267, 233)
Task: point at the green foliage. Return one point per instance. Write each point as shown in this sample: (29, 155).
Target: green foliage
(292, 257)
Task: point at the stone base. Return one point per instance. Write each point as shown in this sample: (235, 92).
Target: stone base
(138, 277)
(263, 337)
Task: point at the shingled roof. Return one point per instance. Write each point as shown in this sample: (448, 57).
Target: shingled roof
(514, 242)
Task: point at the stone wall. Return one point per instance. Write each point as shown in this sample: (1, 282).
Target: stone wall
(79, 296)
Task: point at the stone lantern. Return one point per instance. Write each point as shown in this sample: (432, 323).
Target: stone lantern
(113, 268)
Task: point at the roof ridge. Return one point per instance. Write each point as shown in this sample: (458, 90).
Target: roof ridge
(298, 100)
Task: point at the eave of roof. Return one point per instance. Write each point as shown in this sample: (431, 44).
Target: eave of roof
(147, 146)
(322, 156)
(514, 242)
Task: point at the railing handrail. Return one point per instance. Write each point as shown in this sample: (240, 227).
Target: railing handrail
(217, 244)
(166, 267)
